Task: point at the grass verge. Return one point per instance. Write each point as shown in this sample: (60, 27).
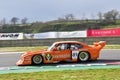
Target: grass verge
(24, 49)
(21, 49)
(90, 74)
(112, 47)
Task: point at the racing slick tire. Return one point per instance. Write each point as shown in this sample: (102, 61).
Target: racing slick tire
(37, 59)
(83, 56)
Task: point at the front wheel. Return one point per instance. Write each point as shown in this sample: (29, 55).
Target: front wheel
(37, 59)
(83, 56)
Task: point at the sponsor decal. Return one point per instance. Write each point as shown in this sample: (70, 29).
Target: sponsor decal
(48, 56)
(62, 56)
(11, 36)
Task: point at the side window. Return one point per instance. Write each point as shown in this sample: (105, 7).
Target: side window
(62, 47)
(75, 46)
(78, 46)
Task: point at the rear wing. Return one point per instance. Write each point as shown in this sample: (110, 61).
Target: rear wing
(99, 45)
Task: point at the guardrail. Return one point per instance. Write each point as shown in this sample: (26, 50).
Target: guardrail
(47, 42)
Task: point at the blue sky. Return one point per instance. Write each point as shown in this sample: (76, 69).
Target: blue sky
(46, 10)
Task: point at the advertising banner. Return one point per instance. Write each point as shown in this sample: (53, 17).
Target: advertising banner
(57, 35)
(106, 32)
(11, 36)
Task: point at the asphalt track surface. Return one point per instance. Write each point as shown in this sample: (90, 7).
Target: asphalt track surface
(106, 56)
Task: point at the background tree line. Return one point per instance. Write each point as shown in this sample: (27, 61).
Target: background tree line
(67, 22)
(108, 17)
(14, 21)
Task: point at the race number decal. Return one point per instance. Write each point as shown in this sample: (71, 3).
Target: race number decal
(75, 54)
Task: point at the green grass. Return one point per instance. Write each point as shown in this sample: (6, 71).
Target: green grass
(111, 26)
(90, 74)
(112, 47)
(21, 49)
(24, 49)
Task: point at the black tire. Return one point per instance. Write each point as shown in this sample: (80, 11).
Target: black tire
(37, 59)
(83, 56)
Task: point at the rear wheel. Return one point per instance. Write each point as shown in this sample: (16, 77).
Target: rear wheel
(83, 56)
(37, 59)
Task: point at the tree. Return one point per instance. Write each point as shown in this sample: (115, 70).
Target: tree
(111, 16)
(24, 20)
(67, 17)
(114, 14)
(100, 15)
(119, 16)
(3, 21)
(14, 20)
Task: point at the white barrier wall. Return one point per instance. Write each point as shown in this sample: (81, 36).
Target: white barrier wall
(57, 35)
(72, 34)
(41, 35)
(11, 36)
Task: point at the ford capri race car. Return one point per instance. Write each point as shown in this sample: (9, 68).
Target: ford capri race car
(63, 51)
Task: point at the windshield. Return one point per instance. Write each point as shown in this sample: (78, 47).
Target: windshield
(51, 47)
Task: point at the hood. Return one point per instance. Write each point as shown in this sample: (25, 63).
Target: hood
(35, 52)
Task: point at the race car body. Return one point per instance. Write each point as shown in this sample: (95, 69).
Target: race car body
(63, 51)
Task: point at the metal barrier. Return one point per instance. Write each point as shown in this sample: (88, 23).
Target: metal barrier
(47, 42)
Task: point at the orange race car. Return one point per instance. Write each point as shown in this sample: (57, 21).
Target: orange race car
(63, 51)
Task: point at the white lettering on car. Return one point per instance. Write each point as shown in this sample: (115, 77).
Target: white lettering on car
(62, 56)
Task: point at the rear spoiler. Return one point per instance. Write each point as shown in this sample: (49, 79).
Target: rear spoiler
(99, 44)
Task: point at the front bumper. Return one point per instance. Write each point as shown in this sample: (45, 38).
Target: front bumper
(22, 62)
